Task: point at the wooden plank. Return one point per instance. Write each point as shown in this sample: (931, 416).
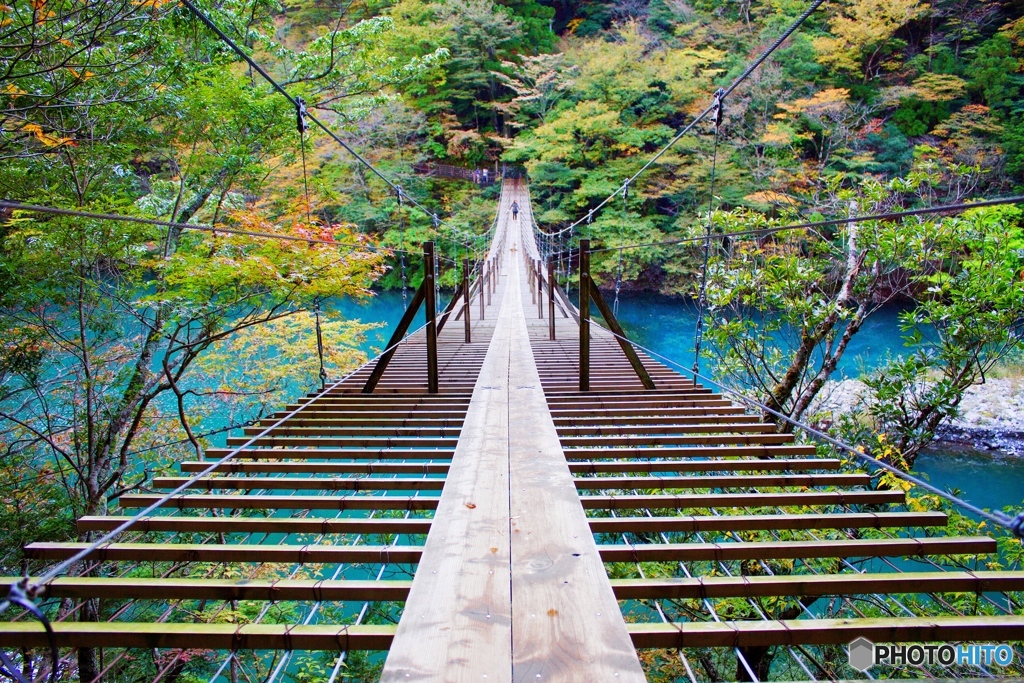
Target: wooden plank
(1000, 628)
(427, 416)
(566, 623)
(743, 465)
(741, 550)
(871, 520)
(302, 483)
(268, 525)
(287, 429)
(209, 552)
(708, 425)
(74, 634)
(457, 622)
(564, 412)
(709, 500)
(336, 453)
(818, 585)
(332, 468)
(341, 442)
(718, 482)
(379, 414)
(731, 436)
(691, 452)
(639, 395)
(218, 589)
(282, 502)
(680, 417)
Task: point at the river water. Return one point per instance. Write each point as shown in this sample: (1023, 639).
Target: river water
(665, 325)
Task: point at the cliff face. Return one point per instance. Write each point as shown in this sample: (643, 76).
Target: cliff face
(991, 414)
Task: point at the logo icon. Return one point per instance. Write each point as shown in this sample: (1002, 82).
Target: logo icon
(861, 654)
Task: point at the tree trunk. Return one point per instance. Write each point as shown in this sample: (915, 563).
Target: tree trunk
(88, 668)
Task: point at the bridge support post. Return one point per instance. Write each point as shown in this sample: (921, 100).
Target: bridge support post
(584, 315)
(551, 300)
(481, 283)
(429, 280)
(465, 295)
(490, 281)
(533, 282)
(540, 290)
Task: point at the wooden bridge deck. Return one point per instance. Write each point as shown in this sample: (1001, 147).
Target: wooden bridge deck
(550, 533)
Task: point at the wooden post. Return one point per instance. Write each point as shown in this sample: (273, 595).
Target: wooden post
(584, 315)
(533, 284)
(465, 294)
(396, 336)
(481, 283)
(551, 300)
(429, 278)
(490, 281)
(540, 292)
(620, 336)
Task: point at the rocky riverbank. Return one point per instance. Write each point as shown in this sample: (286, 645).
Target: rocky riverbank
(991, 414)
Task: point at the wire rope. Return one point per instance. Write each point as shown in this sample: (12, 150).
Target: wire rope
(1014, 524)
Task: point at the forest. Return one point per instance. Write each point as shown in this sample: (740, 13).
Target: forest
(125, 347)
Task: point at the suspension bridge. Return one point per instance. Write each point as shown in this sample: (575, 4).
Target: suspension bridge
(520, 501)
(514, 492)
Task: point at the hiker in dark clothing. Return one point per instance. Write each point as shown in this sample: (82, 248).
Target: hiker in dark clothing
(515, 211)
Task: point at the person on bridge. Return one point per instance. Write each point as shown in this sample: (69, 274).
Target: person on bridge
(485, 176)
(515, 211)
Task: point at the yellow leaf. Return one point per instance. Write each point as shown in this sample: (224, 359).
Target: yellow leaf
(770, 197)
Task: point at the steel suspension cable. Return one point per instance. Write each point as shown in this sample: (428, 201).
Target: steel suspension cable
(199, 14)
(710, 109)
(890, 215)
(36, 208)
(698, 333)
(300, 114)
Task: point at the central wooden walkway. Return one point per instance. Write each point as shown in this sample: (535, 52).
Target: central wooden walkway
(550, 534)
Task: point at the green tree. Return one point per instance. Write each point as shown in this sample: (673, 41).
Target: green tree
(965, 321)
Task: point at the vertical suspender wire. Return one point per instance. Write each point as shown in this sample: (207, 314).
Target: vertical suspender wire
(320, 344)
(437, 264)
(618, 286)
(698, 335)
(618, 272)
(568, 266)
(563, 243)
(401, 249)
(300, 114)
